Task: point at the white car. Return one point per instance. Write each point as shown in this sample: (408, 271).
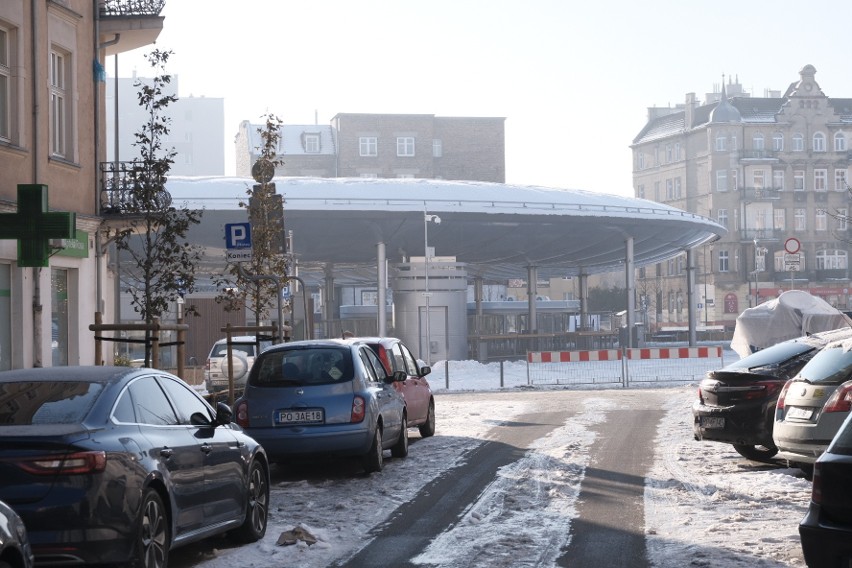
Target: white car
(244, 349)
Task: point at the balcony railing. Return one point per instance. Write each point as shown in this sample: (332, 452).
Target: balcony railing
(122, 189)
(758, 155)
(760, 235)
(761, 193)
(111, 8)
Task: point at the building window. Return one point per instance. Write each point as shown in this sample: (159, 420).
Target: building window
(405, 146)
(677, 151)
(722, 217)
(842, 219)
(758, 179)
(669, 153)
(5, 85)
(724, 263)
(640, 161)
(437, 148)
(368, 146)
(735, 180)
(839, 142)
(779, 219)
(669, 189)
(820, 180)
(640, 191)
(799, 180)
(778, 142)
(721, 180)
(778, 180)
(831, 260)
(59, 100)
(721, 143)
(757, 142)
(819, 142)
(798, 143)
(800, 222)
(678, 191)
(821, 220)
(312, 143)
(840, 180)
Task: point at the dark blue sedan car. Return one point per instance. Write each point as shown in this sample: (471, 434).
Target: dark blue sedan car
(119, 465)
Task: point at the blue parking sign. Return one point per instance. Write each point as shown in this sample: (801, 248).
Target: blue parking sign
(238, 241)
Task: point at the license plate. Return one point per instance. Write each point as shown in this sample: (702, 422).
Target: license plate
(801, 413)
(712, 422)
(306, 416)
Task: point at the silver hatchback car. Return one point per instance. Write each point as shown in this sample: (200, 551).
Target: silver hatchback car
(813, 405)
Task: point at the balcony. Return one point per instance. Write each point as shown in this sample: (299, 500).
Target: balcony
(752, 194)
(125, 25)
(121, 185)
(762, 235)
(759, 155)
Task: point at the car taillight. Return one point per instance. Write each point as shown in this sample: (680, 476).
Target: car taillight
(359, 409)
(780, 404)
(241, 415)
(816, 490)
(70, 464)
(840, 400)
(762, 389)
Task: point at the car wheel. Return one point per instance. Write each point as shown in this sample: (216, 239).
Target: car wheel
(756, 453)
(400, 449)
(374, 461)
(428, 428)
(152, 539)
(257, 507)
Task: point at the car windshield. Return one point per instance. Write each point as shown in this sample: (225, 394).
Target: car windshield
(221, 349)
(303, 366)
(29, 402)
(832, 365)
(776, 355)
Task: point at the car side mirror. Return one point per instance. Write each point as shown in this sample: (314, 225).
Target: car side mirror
(425, 370)
(396, 377)
(224, 414)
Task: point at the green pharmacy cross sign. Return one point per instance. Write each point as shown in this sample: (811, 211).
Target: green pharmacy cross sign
(33, 225)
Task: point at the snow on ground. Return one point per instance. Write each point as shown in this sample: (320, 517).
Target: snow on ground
(704, 504)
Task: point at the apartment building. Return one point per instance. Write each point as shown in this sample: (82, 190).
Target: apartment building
(774, 171)
(52, 281)
(386, 146)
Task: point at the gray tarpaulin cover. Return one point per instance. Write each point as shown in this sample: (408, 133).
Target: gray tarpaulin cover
(792, 314)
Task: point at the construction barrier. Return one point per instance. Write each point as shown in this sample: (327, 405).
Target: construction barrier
(614, 366)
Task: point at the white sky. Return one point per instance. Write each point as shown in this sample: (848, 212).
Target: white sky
(572, 79)
(703, 502)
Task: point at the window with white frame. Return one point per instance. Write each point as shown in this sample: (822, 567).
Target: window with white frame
(831, 260)
(437, 148)
(722, 217)
(798, 143)
(820, 220)
(778, 142)
(757, 142)
(800, 220)
(819, 142)
(724, 262)
(840, 183)
(721, 180)
(5, 84)
(677, 151)
(368, 146)
(820, 180)
(59, 104)
(798, 180)
(721, 143)
(839, 142)
(669, 153)
(758, 179)
(669, 189)
(405, 146)
(778, 180)
(640, 161)
(842, 219)
(312, 143)
(678, 189)
(779, 219)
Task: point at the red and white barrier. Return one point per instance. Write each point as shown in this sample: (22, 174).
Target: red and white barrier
(573, 356)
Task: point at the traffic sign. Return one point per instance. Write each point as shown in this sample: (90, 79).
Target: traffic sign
(792, 263)
(792, 245)
(238, 242)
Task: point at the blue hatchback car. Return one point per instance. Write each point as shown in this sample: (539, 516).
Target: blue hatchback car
(324, 398)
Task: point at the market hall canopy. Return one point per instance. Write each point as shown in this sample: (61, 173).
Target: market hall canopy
(498, 230)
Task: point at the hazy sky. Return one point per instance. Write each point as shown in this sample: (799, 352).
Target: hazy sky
(573, 80)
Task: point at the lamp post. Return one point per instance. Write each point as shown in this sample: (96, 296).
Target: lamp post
(426, 220)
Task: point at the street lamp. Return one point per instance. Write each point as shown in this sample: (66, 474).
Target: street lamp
(426, 220)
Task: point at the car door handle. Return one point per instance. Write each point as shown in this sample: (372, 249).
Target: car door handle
(167, 452)
(206, 448)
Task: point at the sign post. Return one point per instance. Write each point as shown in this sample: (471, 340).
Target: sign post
(792, 262)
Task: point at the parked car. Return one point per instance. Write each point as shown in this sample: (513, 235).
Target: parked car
(324, 398)
(244, 350)
(826, 529)
(813, 405)
(415, 389)
(15, 549)
(116, 464)
(736, 404)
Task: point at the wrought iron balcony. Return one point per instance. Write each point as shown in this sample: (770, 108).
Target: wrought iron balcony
(761, 193)
(760, 234)
(112, 8)
(759, 155)
(123, 187)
